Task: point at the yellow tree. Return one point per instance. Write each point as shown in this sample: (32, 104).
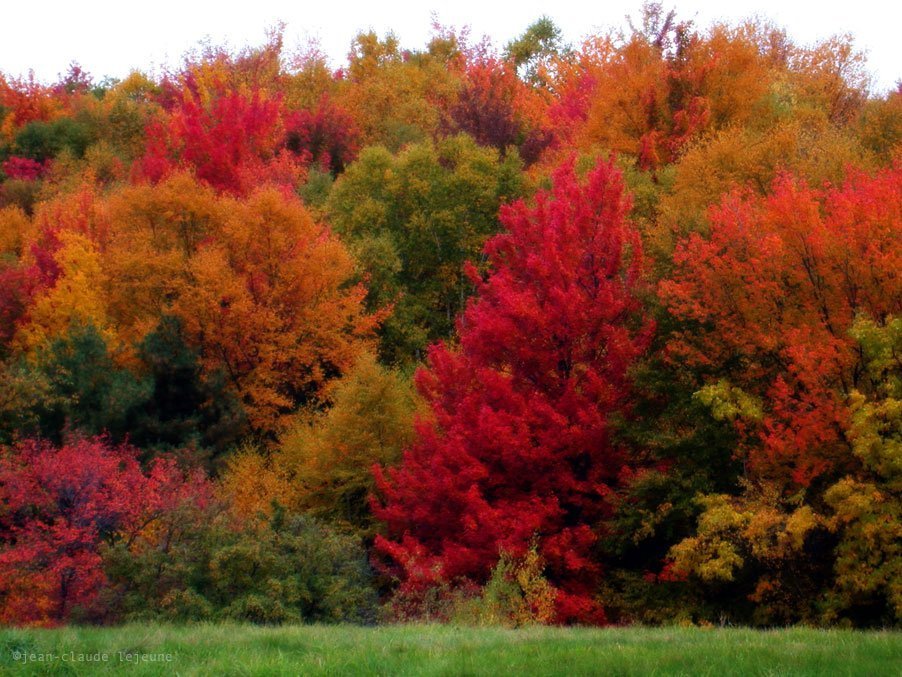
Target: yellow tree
(396, 97)
(323, 464)
(329, 458)
(61, 256)
(76, 297)
(14, 225)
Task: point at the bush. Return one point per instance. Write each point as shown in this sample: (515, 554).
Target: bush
(516, 594)
(292, 569)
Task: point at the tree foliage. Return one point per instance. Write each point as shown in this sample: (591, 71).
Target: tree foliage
(216, 281)
(61, 504)
(519, 445)
(413, 219)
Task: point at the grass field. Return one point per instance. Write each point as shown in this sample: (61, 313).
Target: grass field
(445, 650)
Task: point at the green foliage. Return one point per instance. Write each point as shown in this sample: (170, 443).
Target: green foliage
(434, 650)
(75, 383)
(640, 598)
(198, 567)
(315, 190)
(23, 396)
(45, 140)
(658, 506)
(534, 52)
(82, 387)
(413, 219)
(329, 458)
(185, 408)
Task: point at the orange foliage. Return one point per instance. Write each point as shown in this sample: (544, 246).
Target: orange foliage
(769, 298)
(270, 306)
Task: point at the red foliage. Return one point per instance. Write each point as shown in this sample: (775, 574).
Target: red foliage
(494, 107)
(571, 108)
(15, 293)
(327, 136)
(21, 280)
(769, 298)
(27, 100)
(59, 506)
(485, 107)
(519, 445)
(673, 114)
(232, 142)
(23, 168)
(76, 81)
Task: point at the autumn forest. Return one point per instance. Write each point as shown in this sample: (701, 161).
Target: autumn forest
(597, 333)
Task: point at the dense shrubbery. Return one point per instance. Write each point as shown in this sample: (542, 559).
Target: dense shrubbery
(648, 286)
(289, 569)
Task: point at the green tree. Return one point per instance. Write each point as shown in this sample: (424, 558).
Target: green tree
(82, 387)
(186, 409)
(535, 51)
(413, 219)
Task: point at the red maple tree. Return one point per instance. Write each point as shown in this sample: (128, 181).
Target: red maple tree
(519, 445)
(326, 136)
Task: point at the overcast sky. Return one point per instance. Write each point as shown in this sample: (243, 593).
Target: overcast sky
(113, 37)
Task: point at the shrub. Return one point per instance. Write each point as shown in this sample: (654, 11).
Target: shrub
(202, 567)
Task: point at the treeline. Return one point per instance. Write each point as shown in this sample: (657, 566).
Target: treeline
(597, 333)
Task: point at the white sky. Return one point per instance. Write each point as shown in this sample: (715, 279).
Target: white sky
(112, 37)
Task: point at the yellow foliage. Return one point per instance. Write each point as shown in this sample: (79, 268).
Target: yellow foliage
(251, 483)
(309, 79)
(517, 594)
(76, 297)
(711, 555)
(323, 465)
(832, 78)
(136, 86)
(739, 157)
(14, 229)
(395, 101)
(728, 402)
(330, 456)
(868, 562)
(732, 531)
(538, 605)
(876, 430)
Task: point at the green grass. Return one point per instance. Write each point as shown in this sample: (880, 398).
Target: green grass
(446, 650)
